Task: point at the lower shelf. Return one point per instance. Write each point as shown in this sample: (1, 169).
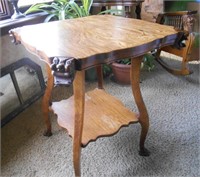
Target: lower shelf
(104, 115)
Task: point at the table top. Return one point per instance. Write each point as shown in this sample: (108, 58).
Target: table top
(94, 39)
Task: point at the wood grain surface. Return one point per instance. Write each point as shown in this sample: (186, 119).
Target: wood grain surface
(101, 118)
(105, 37)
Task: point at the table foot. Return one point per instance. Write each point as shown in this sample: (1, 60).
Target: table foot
(144, 152)
(47, 133)
(77, 161)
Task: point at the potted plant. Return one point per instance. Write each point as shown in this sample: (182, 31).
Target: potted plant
(62, 9)
(65, 9)
(121, 68)
(121, 71)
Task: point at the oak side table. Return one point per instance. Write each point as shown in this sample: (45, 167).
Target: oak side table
(88, 42)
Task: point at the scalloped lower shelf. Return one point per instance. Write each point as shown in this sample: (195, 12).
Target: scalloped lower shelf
(104, 115)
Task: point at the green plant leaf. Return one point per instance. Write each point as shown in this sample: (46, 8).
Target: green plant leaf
(37, 8)
(49, 17)
(87, 6)
(61, 15)
(61, 2)
(83, 12)
(76, 8)
(110, 11)
(125, 61)
(56, 6)
(148, 62)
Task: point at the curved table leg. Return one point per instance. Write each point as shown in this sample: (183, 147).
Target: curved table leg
(46, 101)
(143, 119)
(79, 103)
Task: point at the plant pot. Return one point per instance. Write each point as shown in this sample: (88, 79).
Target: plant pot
(121, 73)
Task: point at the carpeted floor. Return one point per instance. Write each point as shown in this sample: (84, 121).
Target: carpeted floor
(173, 139)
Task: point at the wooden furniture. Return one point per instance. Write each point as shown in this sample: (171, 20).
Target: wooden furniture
(92, 41)
(182, 21)
(130, 6)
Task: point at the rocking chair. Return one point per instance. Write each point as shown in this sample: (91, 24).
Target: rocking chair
(182, 21)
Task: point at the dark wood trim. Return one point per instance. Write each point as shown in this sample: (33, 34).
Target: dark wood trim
(85, 63)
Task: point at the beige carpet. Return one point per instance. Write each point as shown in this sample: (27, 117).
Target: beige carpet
(173, 139)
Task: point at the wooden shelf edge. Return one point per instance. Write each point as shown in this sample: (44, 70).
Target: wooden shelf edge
(108, 135)
(104, 115)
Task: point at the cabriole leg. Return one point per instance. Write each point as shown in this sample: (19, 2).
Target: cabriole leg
(144, 118)
(46, 101)
(79, 103)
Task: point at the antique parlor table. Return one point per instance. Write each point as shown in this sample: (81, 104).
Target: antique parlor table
(90, 42)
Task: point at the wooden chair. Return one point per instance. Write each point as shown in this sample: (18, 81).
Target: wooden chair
(182, 21)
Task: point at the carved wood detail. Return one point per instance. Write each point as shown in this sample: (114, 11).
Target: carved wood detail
(188, 21)
(63, 70)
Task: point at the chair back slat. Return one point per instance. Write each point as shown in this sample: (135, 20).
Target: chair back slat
(181, 20)
(176, 21)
